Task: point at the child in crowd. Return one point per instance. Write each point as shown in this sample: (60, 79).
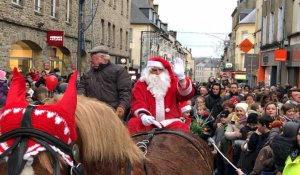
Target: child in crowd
(288, 112)
(185, 109)
(203, 123)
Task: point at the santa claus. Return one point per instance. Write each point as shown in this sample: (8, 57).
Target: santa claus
(157, 94)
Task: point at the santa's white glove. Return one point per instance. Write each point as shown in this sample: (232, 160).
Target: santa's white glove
(148, 120)
(178, 68)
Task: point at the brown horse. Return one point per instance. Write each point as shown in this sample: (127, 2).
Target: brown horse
(107, 148)
(171, 152)
(105, 144)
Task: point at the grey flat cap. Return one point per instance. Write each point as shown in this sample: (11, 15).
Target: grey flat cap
(99, 49)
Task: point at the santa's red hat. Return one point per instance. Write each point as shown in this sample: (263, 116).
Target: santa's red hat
(56, 119)
(160, 63)
(184, 107)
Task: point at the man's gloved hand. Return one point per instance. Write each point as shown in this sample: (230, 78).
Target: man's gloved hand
(178, 68)
(147, 120)
(120, 112)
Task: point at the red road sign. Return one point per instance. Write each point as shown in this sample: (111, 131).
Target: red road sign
(246, 45)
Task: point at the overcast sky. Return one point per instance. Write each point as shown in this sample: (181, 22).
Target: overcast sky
(201, 24)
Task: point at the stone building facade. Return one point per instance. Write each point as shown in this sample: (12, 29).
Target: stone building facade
(24, 25)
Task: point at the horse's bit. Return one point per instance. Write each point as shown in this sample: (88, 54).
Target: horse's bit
(17, 150)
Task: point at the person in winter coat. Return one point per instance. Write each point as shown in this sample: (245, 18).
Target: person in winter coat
(282, 144)
(214, 101)
(292, 164)
(107, 82)
(3, 88)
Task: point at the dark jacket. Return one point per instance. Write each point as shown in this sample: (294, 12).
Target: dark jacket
(214, 102)
(112, 85)
(3, 92)
(282, 145)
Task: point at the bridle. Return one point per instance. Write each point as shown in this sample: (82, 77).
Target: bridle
(19, 147)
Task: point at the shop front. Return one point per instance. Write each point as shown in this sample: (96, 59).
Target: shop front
(27, 54)
(22, 55)
(293, 66)
(270, 68)
(240, 77)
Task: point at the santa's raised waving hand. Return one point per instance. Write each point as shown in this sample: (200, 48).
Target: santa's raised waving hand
(178, 68)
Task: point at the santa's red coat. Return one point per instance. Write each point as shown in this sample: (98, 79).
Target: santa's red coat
(165, 108)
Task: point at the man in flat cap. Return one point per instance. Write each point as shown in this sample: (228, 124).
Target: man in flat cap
(106, 81)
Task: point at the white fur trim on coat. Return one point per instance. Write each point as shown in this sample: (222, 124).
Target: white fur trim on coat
(167, 122)
(141, 110)
(186, 108)
(155, 64)
(187, 91)
(160, 108)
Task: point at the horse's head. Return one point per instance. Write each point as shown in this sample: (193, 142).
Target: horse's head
(27, 130)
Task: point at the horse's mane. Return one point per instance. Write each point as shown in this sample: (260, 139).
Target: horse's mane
(103, 134)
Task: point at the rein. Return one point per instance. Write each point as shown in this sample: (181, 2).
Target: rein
(17, 150)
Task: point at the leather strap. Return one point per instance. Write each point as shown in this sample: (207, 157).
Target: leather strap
(16, 161)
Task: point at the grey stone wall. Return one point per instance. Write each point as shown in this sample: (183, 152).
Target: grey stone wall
(22, 22)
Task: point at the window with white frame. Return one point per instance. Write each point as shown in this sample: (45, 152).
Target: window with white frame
(121, 38)
(122, 7)
(127, 9)
(298, 18)
(130, 37)
(109, 34)
(37, 5)
(102, 31)
(53, 8)
(150, 15)
(113, 36)
(280, 25)
(245, 34)
(126, 40)
(271, 28)
(264, 30)
(68, 10)
(18, 2)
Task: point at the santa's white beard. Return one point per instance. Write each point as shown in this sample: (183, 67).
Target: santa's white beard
(158, 85)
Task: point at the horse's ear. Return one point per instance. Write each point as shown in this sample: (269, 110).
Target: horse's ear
(69, 101)
(17, 91)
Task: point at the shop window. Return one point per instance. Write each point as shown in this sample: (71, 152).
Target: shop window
(23, 64)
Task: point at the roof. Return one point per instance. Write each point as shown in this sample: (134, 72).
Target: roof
(250, 18)
(141, 3)
(137, 16)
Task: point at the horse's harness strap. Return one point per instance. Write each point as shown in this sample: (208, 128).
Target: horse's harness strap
(15, 161)
(17, 150)
(144, 143)
(154, 131)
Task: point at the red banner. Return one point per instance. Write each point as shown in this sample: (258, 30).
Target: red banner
(55, 38)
